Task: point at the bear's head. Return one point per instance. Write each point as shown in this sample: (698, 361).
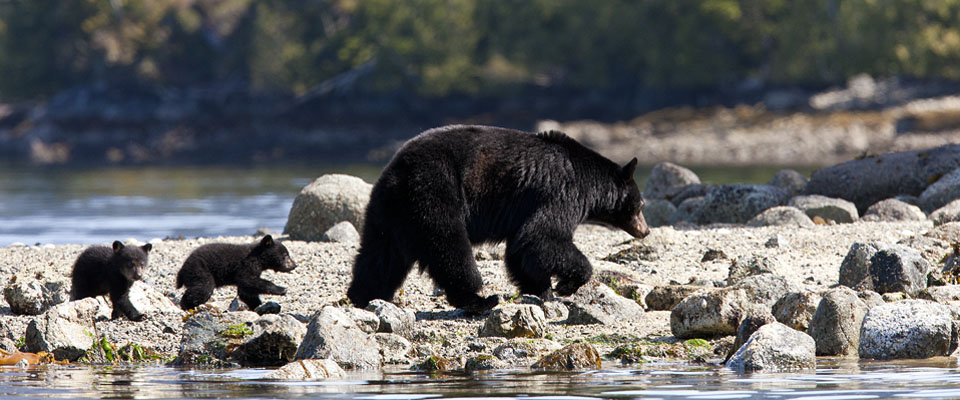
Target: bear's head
(130, 260)
(625, 208)
(273, 255)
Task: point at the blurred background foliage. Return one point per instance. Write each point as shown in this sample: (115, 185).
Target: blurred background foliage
(436, 48)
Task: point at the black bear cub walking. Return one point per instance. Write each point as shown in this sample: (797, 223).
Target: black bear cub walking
(220, 264)
(455, 186)
(100, 270)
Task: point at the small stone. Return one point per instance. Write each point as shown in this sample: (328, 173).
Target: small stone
(342, 232)
(513, 321)
(713, 254)
(777, 242)
(572, 357)
(270, 307)
(307, 370)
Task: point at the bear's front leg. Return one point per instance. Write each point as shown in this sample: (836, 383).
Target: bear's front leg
(122, 306)
(532, 264)
(249, 296)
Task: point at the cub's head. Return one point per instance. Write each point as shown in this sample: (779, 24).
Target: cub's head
(626, 210)
(131, 260)
(273, 255)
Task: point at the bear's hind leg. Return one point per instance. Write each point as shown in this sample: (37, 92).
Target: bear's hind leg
(198, 291)
(448, 258)
(378, 271)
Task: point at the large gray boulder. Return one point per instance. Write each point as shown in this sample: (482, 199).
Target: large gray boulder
(208, 337)
(796, 309)
(884, 268)
(394, 349)
(393, 319)
(835, 326)
(782, 216)
(664, 298)
(737, 203)
(324, 202)
(908, 329)
(32, 295)
(765, 288)
(334, 335)
(775, 347)
(790, 181)
(871, 179)
(274, 341)
(830, 209)
(664, 176)
(941, 192)
(515, 321)
(148, 300)
(67, 330)
(950, 212)
(709, 314)
(657, 212)
(686, 210)
(596, 303)
(893, 210)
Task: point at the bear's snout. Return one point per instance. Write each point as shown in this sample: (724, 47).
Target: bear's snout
(638, 227)
(288, 264)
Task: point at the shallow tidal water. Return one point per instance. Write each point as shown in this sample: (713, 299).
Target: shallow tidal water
(833, 380)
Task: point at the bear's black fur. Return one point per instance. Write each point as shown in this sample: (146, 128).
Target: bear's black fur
(100, 270)
(455, 186)
(220, 264)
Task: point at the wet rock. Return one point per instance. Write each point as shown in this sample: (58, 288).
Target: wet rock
(210, 336)
(665, 176)
(520, 350)
(835, 326)
(790, 181)
(575, 356)
(686, 210)
(943, 191)
(274, 341)
(270, 307)
(484, 362)
(796, 309)
(342, 232)
(437, 364)
(781, 216)
(307, 370)
(664, 298)
(947, 295)
(892, 210)
(596, 303)
(884, 268)
(908, 329)
(66, 330)
(367, 321)
(709, 314)
(332, 334)
(393, 319)
(657, 212)
(830, 209)
(30, 295)
(394, 348)
(871, 179)
(775, 347)
(747, 327)
(515, 321)
(737, 203)
(753, 265)
(948, 213)
(324, 202)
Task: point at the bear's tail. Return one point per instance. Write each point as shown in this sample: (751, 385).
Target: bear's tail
(379, 269)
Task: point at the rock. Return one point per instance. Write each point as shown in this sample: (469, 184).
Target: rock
(484, 362)
(777, 242)
(908, 329)
(28, 295)
(765, 288)
(270, 307)
(393, 319)
(657, 212)
(931, 249)
(782, 216)
(892, 210)
(307, 370)
(737, 203)
(148, 300)
(342, 232)
(713, 254)
(555, 310)
(884, 268)
(519, 350)
(835, 326)
(871, 179)
(208, 337)
(665, 176)
(709, 314)
(775, 347)
(394, 348)
(948, 213)
(948, 232)
(679, 194)
(870, 298)
(947, 295)
(575, 356)
(367, 321)
(515, 321)
(67, 330)
(686, 210)
(753, 265)
(747, 327)
(943, 191)
(437, 364)
(790, 181)
(664, 298)
(274, 341)
(830, 209)
(332, 334)
(596, 303)
(796, 309)
(324, 202)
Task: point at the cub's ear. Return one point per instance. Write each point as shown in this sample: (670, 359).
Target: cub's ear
(147, 247)
(629, 169)
(267, 241)
(117, 246)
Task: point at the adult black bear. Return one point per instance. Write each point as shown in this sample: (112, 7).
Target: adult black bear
(220, 264)
(455, 186)
(100, 270)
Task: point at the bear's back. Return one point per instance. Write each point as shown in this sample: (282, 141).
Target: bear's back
(91, 273)
(216, 259)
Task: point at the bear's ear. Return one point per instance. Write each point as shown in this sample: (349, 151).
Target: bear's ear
(117, 246)
(267, 241)
(147, 247)
(629, 169)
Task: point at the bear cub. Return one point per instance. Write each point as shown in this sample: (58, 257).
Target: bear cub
(100, 270)
(220, 264)
(453, 187)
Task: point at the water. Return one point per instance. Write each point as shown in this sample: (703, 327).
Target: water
(834, 379)
(87, 206)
